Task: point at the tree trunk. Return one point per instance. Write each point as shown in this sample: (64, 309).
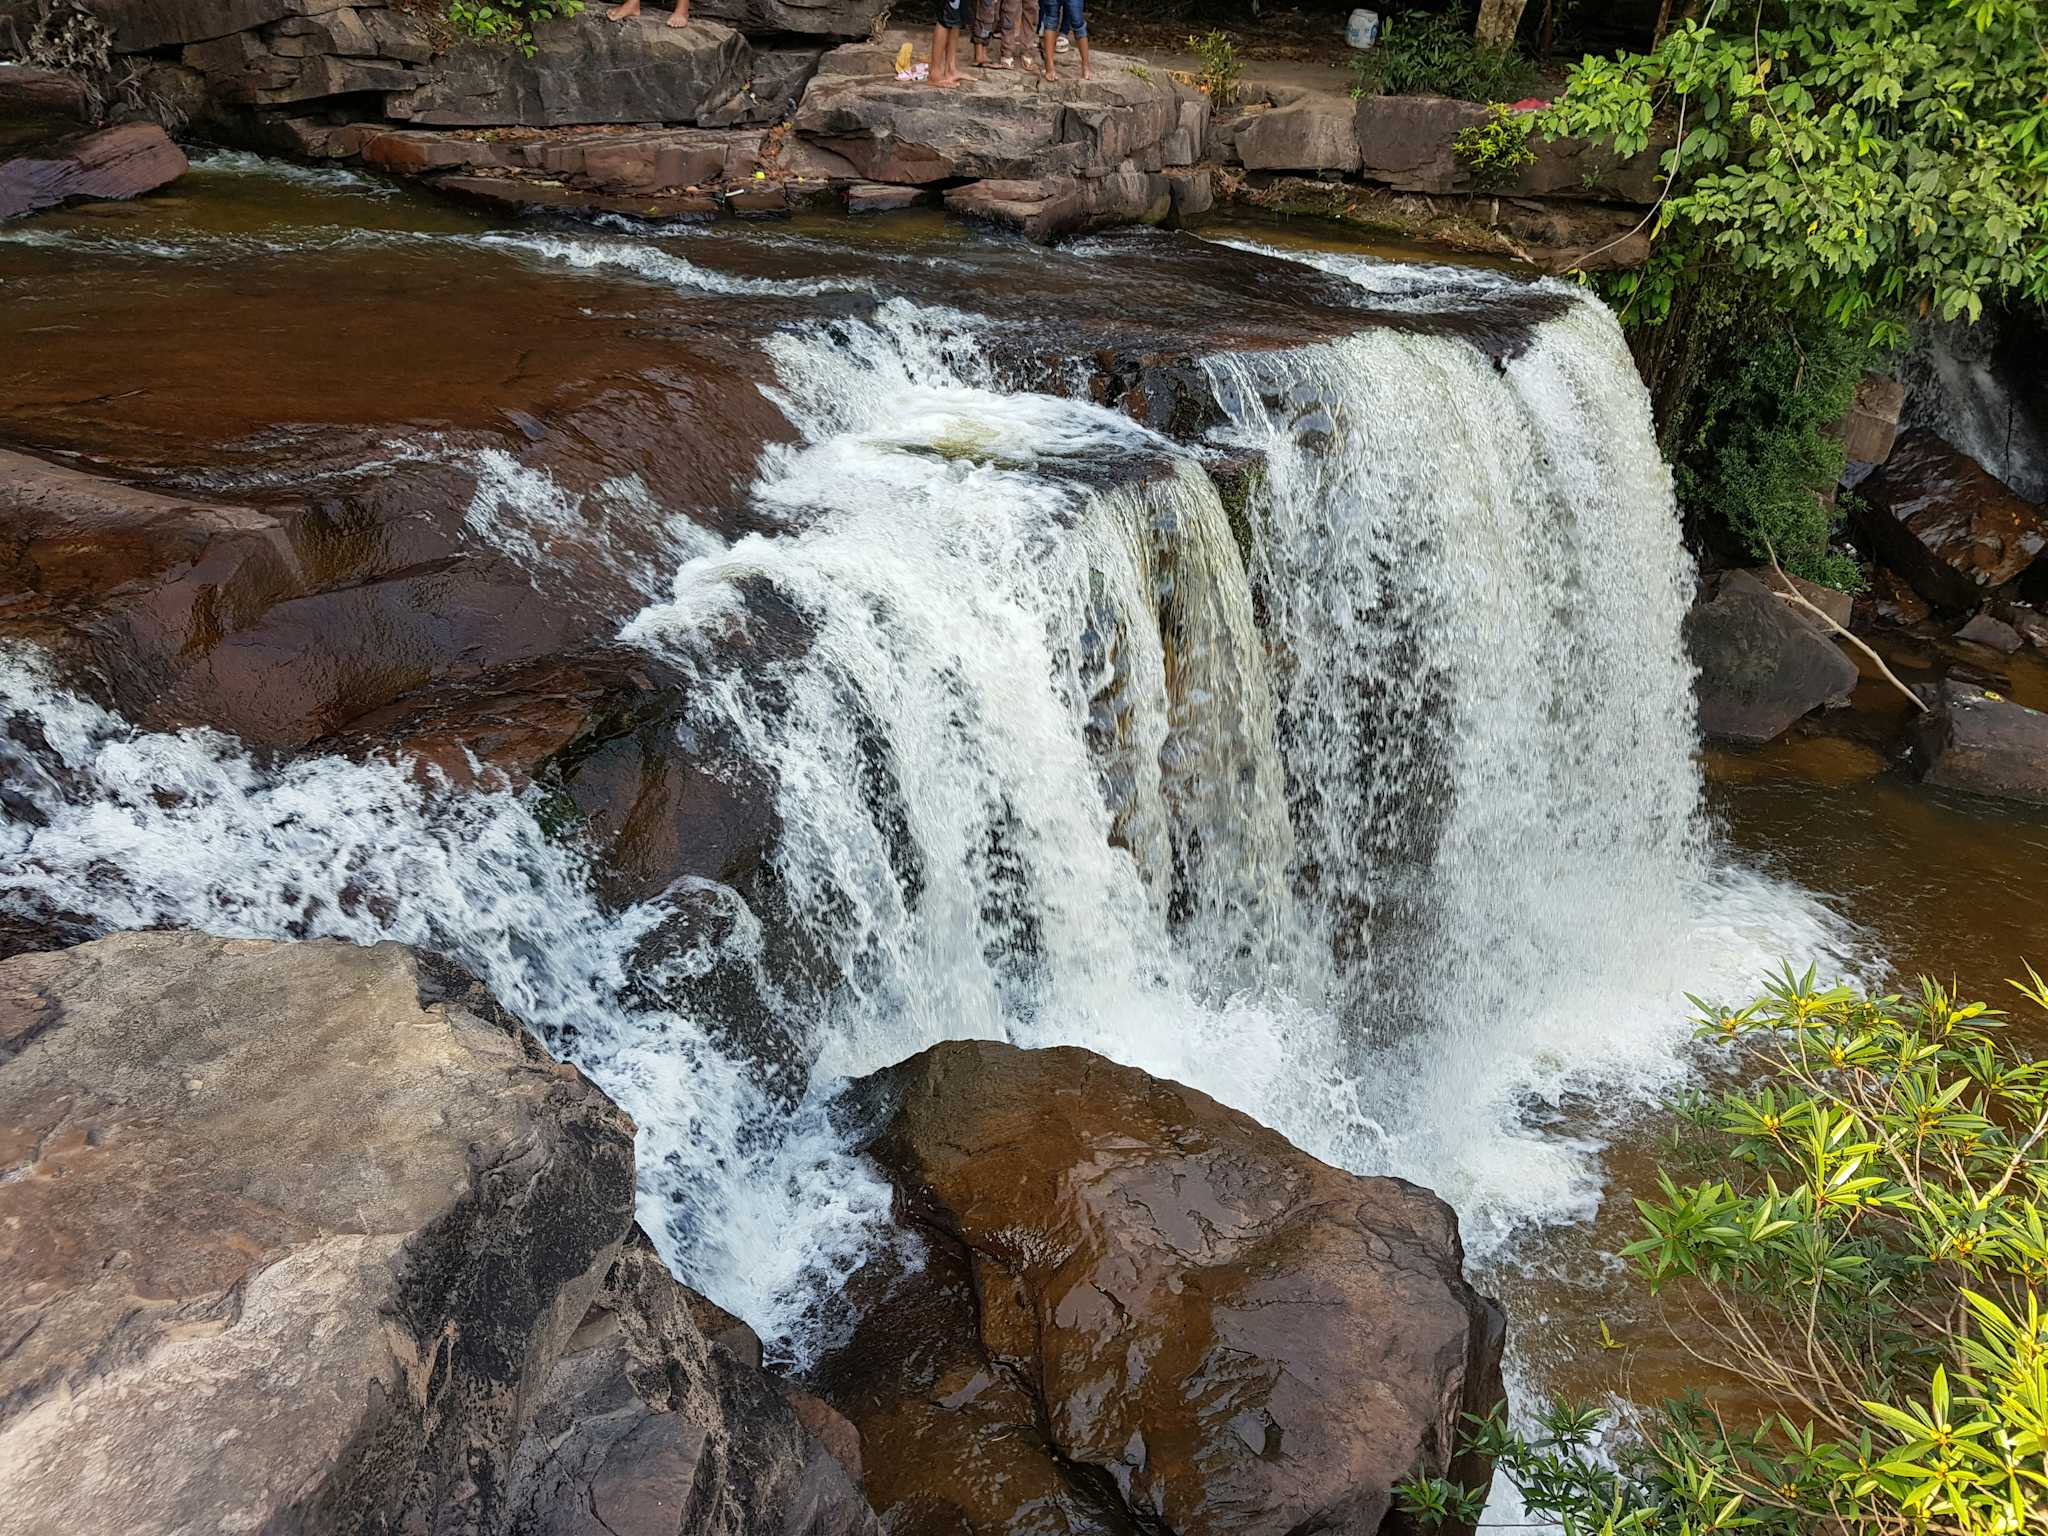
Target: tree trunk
(1498, 20)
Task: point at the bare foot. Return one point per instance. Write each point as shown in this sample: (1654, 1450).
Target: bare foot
(944, 82)
(680, 16)
(624, 12)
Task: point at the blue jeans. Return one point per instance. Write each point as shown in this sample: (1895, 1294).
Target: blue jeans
(1062, 16)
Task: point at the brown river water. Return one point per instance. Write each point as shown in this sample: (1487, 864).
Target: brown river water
(260, 332)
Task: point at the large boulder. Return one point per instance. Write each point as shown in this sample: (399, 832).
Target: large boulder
(310, 1237)
(1049, 207)
(1946, 524)
(1314, 133)
(37, 105)
(1001, 125)
(1985, 744)
(811, 18)
(1762, 665)
(1142, 1311)
(1405, 141)
(585, 71)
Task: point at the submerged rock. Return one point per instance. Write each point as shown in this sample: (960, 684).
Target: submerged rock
(1951, 529)
(1985, 744)
(310, 1237)
(1762, 664)
(1143, 1311)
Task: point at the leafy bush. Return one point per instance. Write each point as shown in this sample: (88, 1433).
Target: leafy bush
(1864, 157)
(1219, 72)
(1497, 150)
(1861, 1238)
(508, 21)
(1426, 55)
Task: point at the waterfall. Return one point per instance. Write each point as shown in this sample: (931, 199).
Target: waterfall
(1388, 835)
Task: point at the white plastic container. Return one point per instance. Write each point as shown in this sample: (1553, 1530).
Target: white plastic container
(1363, 30)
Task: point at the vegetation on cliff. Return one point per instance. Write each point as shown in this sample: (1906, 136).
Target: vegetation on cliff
(1836, 170)
(1856, 1247)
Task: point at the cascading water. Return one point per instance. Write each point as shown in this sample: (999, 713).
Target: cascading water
(1383, 840)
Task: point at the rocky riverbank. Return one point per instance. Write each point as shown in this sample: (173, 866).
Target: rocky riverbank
(756, 108)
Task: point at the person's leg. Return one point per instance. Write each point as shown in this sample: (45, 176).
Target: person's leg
(1077, 23)
(680, 16)
(1046, 40)
(626, 10)
(985, 15)
(945, 69)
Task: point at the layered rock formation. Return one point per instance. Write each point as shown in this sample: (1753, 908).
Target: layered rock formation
(1977, 741)
(1141, 1311)
(309, 1236)
(52, 151)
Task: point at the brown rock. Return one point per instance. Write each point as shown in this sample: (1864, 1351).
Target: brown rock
(1836, 605)
(1761, 667)
(274, 624)
(310, 1237)
(1984, 744)
(523, 192)
(1938, 518)
(1894, 601)
(142, 25)
(37, 105)
(1143, 1311)
(287, 1242)
(1050, 207)
(873, 197)
(113, 163)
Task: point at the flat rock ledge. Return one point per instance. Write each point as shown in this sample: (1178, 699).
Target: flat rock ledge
(309, 1237)
(52, 150)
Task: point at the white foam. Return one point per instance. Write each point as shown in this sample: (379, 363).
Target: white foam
(656, 265)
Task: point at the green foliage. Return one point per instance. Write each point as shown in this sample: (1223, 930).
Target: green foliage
(1420, 54)
(1219, 72)
(1497, 150)
(1869, 158)
(1754, 460)
(508, 21)
(1866, 1252)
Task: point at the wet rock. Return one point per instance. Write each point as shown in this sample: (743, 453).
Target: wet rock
(1761, 667)
(650, 1426)
(1993, 634)
(779, 78)
(1142, 1311)
(1945, 524)
(873, 197)
(516, 192)
(311, 1236)
(1049, 207)
(2029, 624)
(275, 624)
(1894, 601)
(588, 70)
(107, 165)
(604, 733)
(1977, 741)
(1315, 133)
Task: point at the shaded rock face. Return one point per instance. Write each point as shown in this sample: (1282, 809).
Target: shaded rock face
(1985, 745)
(1142, 1311)
(1312, 134)
(586, 71)
(1951, 529)
(1761, 665)
(308, 1237)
